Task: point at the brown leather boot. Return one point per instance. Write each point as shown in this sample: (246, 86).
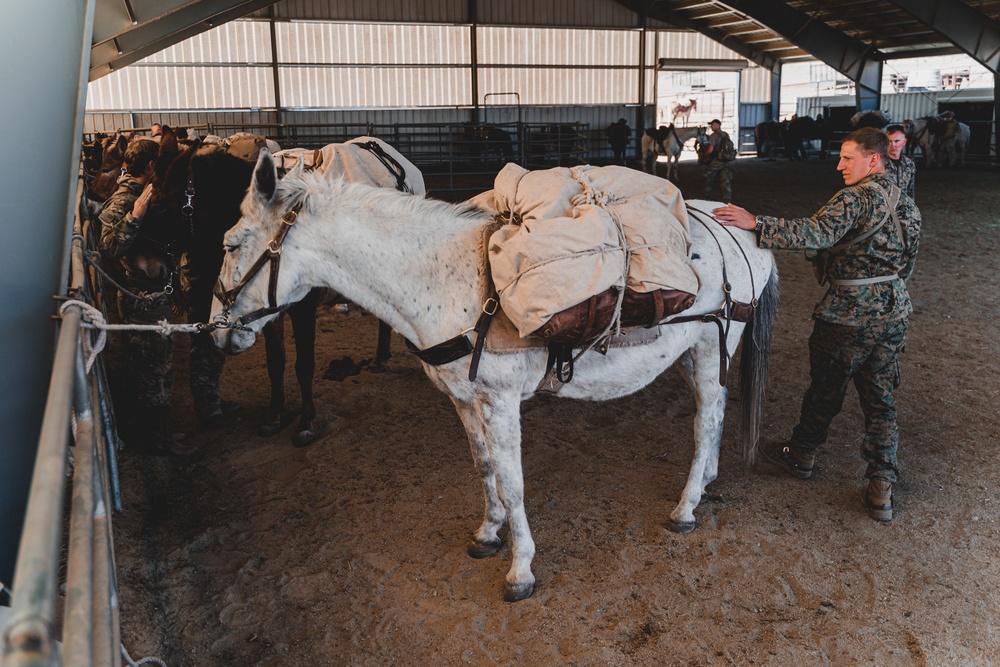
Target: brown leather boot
(877, 497)
(155, 437)
(781, 455)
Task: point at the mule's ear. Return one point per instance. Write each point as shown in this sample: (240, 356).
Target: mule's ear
(121, 143)
(265, 175)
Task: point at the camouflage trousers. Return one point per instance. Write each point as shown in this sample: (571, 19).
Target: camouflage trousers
(869, 356)
(149, 355)
(206, 359)
(721, 173)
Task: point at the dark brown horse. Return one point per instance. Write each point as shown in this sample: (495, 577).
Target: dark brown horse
(199, 195)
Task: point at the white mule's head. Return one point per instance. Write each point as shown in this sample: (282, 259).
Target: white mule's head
(243, 300)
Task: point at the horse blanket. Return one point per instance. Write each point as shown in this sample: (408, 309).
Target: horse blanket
(577, 232)
(353, 162)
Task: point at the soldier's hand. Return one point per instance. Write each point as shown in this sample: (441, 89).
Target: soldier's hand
(735, 216)
(142, 203)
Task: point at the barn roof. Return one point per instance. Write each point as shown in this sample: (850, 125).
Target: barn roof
(842, 33)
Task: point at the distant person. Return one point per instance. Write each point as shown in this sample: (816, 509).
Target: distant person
(149, 272)
(718, 157)
(156, 131)
(866, 240)
(900, 169)
(618, 135)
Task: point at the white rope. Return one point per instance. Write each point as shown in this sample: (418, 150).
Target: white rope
(92, 318)
(144, 661)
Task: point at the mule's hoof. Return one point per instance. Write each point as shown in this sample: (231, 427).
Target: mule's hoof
(681, 527)
(513, 593)
(304, 437)
(485, 549)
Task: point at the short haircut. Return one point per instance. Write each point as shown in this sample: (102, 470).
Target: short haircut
(895, 127)
(138, 154)
(870, 140)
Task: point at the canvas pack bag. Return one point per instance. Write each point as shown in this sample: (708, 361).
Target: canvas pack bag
(577, 233)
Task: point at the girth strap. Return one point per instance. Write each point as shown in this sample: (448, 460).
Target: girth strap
(455, 348)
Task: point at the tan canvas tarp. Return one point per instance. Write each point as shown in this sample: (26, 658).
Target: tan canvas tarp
(582, 231)
(354, 163)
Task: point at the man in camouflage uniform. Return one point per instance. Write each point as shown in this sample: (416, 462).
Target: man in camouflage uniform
(718, 166)
(899, 168)
(149, 355)
(866, 240)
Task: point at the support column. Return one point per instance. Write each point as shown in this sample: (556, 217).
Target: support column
(776, 91)
(46, 56)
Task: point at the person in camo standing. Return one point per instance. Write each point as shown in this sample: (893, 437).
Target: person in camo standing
(899, 168)
(718, 159)
(150, 380)
(866, 239)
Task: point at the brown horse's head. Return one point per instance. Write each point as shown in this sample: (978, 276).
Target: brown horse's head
(105, 179)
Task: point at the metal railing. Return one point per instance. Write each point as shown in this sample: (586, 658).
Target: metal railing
(455, 158)
(89, 617)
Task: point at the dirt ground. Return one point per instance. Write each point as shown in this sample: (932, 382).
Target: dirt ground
(352, 551)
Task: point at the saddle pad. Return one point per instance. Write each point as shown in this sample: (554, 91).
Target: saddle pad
(354, 163)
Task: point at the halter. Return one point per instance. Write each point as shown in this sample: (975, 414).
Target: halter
(272, 253)
(272, 256)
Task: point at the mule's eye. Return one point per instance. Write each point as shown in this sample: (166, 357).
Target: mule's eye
(232, 248)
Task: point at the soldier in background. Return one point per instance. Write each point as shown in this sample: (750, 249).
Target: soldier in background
(149, 274)
(718, 157)
(900, 169)
(866, 240)
(618, 135)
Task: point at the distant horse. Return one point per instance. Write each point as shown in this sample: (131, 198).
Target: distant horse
(199, 196)
(768, 135)
(673, 145)
(487, 141)
(108, 153)
(919, 134)
(416, 264)
(801, 129)
(682, 111)
(871, 118)
(952, 141)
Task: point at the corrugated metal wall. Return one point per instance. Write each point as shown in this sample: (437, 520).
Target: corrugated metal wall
(327, 64)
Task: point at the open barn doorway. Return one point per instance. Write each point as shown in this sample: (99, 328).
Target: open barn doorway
(692, 92)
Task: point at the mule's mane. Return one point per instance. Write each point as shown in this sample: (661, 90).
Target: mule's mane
(306, 189)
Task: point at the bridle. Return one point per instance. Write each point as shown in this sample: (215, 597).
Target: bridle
(272, 252)
(271, 255)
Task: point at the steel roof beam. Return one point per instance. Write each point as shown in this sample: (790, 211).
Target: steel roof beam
(162, 31)
(656, 10)
(971, 30)
(861, 62)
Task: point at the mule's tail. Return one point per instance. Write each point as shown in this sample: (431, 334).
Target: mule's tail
(755, 358)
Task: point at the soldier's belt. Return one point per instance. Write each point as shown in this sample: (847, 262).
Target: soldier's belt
(850, 282)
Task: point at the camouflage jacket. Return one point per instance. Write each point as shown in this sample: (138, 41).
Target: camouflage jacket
(118, 228)
(850, 213)
(903, 173)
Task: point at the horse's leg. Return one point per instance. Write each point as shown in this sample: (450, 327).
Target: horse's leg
(485, 541)
(494, 421)
(382, 350)
(700, 365)
(274, 347)
(303, 317)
